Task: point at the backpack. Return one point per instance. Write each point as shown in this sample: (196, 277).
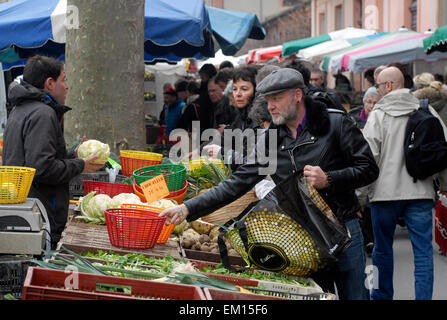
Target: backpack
(425, 146)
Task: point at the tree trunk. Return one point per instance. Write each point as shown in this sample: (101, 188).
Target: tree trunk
(105, 72)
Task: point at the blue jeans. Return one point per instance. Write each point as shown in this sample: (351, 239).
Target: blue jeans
(348, 274)
(419, 221)
(351, 276)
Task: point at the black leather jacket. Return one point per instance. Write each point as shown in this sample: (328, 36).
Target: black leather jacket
(330, 140)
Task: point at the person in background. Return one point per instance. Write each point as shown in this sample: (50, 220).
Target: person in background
(223, 77)
(181, 87)
(369, 79)
(395, 193)
(317, 78)
(161, 118)
(265, 71)
(436, 93)
(423, 80)
(226, 64)
(377, 71)
(439, 77)
(206, 113)
(360, 114)
(34, 137)
(224, 114)
(174, 111)
(191, 111)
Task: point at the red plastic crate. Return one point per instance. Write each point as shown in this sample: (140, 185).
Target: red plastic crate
(49, 284)
(109, 188)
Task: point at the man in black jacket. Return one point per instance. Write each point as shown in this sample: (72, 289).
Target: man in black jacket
(322, 143)
(34, 138)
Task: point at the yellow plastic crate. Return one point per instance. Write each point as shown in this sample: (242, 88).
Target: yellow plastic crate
(15, 183)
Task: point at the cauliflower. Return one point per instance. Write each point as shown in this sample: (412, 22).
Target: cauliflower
(91, 147)
(163, 203)
(121, 198)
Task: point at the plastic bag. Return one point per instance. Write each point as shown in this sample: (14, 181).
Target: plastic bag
(291, 230)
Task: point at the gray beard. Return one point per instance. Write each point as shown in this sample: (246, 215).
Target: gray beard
(291, 115)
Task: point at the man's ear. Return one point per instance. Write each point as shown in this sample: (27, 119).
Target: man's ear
(299, 94)
(49, 84)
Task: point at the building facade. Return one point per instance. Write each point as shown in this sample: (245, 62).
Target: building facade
(283, 20)
(382, 15)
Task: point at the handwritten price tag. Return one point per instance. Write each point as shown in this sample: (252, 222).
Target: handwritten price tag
(155, 189)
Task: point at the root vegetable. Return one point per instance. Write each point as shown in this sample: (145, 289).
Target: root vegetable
(191, 234)
(205, 247)
(214, 250)
(204, 238)
(202, 227)
(196, 246)
(187, 243)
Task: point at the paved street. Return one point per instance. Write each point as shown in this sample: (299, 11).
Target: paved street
(404, 267)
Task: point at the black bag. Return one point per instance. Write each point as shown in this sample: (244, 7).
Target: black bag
(291, 230)
(425, 147)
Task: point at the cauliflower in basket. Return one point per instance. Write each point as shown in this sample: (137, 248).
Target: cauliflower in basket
(121, 198)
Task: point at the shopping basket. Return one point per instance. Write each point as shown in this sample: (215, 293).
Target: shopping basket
(109, 188)
(174, 175)
(133, 228)
(165, 231)
(15, 183)
(177, 196)
(132, 160)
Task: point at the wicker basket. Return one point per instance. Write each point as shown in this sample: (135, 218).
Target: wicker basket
(232, 210)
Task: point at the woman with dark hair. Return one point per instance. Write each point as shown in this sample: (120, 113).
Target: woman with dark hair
(244, 90)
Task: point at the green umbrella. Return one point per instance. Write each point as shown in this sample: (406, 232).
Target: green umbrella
(437, 41)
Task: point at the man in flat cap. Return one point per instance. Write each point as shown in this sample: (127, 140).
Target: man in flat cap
(328, 148)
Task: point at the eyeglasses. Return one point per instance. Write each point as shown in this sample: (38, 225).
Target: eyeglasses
(377, 85)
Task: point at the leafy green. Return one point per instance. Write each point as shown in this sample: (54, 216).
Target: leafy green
(254, 274)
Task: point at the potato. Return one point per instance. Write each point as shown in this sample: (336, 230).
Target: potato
(214, 250)
(191, 234)
(187, 243)
(205, 247)
(196, 246)
(204, 238)
(202, 227)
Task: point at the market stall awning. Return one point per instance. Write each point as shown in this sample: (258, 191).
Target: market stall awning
(437, 41)
(335, 61)
(402, 51)
(172, 28)
(231, 29)
(347, 33)
(263, 54)
(316, 53)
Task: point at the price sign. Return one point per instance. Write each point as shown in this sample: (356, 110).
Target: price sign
(155, 189)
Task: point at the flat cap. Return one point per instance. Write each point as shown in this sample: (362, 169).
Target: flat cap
(280, 80)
